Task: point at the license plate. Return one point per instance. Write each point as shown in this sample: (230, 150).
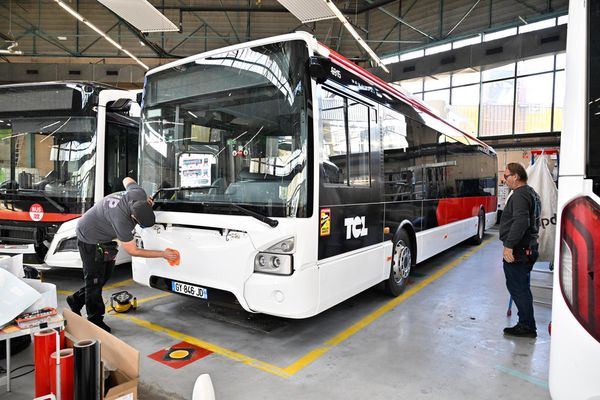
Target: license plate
(189, 290)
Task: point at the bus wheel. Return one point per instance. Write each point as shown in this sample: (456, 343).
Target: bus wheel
(401, 265)
(478, 238)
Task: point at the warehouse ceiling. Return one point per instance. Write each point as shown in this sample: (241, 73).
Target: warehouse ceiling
(46, 33)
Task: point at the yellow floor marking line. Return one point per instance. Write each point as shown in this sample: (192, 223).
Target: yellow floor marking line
(113, 286)
(209, 346)
(342, 336)
(118, 284)
(314, 354)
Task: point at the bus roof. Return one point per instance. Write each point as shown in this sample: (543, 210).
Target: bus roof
(97, 85)
(430, 116)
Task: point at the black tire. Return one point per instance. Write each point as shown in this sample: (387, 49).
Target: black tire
(401, 265)
(478, 238)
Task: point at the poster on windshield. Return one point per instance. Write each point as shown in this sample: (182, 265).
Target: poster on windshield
(195, 169)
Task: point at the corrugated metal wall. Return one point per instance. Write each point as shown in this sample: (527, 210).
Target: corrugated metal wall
(36, 24)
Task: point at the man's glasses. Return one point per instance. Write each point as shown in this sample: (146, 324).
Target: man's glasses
(507, 176)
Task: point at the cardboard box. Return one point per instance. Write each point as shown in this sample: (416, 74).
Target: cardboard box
(117, 354)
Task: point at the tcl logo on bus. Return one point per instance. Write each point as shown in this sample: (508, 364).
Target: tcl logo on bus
(355, 227)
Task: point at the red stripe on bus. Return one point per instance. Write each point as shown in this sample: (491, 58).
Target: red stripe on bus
(24, 216)
(455, 209)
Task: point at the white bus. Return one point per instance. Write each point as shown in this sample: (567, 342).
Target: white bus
(290, 179)
(575, 345)
(63, 146)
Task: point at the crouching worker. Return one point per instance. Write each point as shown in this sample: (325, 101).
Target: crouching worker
(115, 216)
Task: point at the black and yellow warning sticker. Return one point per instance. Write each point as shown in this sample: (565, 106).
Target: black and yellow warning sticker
(325, 223)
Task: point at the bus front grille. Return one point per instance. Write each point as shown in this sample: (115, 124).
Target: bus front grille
(18, 234)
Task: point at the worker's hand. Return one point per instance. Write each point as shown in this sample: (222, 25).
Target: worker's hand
(150, 201)
(170, 254)
(508, 255)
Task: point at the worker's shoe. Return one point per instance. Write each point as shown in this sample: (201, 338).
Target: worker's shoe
(99, 322)
(520, 331)
(73, 305)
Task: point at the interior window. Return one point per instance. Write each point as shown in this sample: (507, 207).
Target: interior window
(333, 138)
(358, 132)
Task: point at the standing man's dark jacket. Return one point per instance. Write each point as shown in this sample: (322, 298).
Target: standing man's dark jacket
(519, 225)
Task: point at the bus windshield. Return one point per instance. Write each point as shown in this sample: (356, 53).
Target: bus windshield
(48, 156)
(232, 128)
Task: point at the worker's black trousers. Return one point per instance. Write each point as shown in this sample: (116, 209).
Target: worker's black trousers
(95, 275)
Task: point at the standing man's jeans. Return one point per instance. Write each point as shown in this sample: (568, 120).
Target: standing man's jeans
(517, 282)
(95, 274)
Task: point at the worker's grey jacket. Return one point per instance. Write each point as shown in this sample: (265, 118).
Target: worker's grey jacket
(519, 225)
(110, 218)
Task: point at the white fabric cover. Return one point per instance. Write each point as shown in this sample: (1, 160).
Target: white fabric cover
(540, 179)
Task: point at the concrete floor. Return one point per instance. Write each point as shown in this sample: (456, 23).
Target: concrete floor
(441, 340)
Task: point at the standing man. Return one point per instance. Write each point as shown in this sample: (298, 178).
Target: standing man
(115, 216)
(519, 226)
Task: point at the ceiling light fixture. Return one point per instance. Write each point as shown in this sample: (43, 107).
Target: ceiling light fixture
(314, 10)
(141, 14)
(101, 33)
(10, 50)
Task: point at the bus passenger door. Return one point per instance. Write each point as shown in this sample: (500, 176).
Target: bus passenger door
(120, 156)
(349, 198)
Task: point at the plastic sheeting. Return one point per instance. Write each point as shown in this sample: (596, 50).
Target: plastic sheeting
(540, 179)
(13, 264)
(15, 296)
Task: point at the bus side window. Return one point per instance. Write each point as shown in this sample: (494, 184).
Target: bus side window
(399, 177)
(333, 138)
(358, 135)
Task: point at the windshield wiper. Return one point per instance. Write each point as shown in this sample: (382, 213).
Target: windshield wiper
(177, 189)
(37, 192)
(262, 218)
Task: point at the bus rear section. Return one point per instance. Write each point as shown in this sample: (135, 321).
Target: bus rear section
(60, 142)
(272, 179)
(575, 344)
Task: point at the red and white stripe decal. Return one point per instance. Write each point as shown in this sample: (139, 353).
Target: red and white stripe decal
(456, 209)
(24, 216)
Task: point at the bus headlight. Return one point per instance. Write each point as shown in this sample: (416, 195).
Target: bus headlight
(262, 261)
(273, 264)
(286, 246)
(69, 244)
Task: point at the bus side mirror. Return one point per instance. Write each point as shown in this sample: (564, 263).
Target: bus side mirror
(138, 97)
(318, 68)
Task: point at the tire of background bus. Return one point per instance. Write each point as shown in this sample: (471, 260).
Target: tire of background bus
(401, 264)
(478, 238)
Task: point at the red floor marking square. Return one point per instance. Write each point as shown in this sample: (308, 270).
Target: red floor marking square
(180, 355)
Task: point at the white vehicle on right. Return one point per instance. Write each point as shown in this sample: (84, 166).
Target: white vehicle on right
(575, 345)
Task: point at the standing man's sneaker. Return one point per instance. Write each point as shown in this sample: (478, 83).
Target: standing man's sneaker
(520, 331)
(73, 305)
(99, 322)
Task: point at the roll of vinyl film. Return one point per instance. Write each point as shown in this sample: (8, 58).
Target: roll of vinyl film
(67, 360)
(88, 371)
(44, 344)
